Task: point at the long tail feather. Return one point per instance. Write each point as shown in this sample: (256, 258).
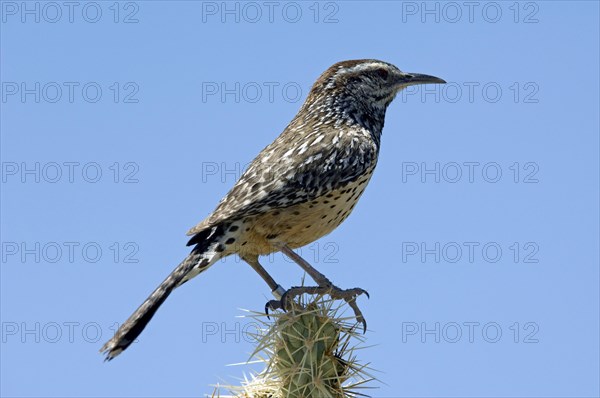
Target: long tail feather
(201, 257)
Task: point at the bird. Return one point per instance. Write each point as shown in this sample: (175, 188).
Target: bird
(298, 189)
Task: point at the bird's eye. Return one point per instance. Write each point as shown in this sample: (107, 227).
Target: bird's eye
(382, 73)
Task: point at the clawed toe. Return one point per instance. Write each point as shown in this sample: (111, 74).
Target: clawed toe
(273, 305)
(287, 299)
(348, 295)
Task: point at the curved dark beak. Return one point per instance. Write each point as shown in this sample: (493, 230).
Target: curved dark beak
(410, 79)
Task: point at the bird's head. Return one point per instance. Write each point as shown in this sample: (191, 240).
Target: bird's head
(372, 82)
(356, 92)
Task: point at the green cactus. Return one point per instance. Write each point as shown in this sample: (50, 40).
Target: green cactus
(309, 351)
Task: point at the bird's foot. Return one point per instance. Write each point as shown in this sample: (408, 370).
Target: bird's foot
(348, 295)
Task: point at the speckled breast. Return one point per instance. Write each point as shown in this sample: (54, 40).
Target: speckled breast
(301, 224)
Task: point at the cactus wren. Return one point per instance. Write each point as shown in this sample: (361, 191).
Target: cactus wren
(297, 190)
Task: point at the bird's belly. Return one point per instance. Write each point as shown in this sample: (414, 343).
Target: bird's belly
(304, 223)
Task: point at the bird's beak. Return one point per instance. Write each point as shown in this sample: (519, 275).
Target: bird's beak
(411, 79)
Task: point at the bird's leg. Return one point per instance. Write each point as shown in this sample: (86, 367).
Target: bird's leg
(318, 277)
(325, 287)
(276, 289)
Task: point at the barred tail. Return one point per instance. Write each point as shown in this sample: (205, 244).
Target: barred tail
(200, 258)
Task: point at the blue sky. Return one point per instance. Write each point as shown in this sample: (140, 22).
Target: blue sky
(123, 124)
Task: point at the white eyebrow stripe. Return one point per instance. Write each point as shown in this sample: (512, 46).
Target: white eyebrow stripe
(362, 67)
